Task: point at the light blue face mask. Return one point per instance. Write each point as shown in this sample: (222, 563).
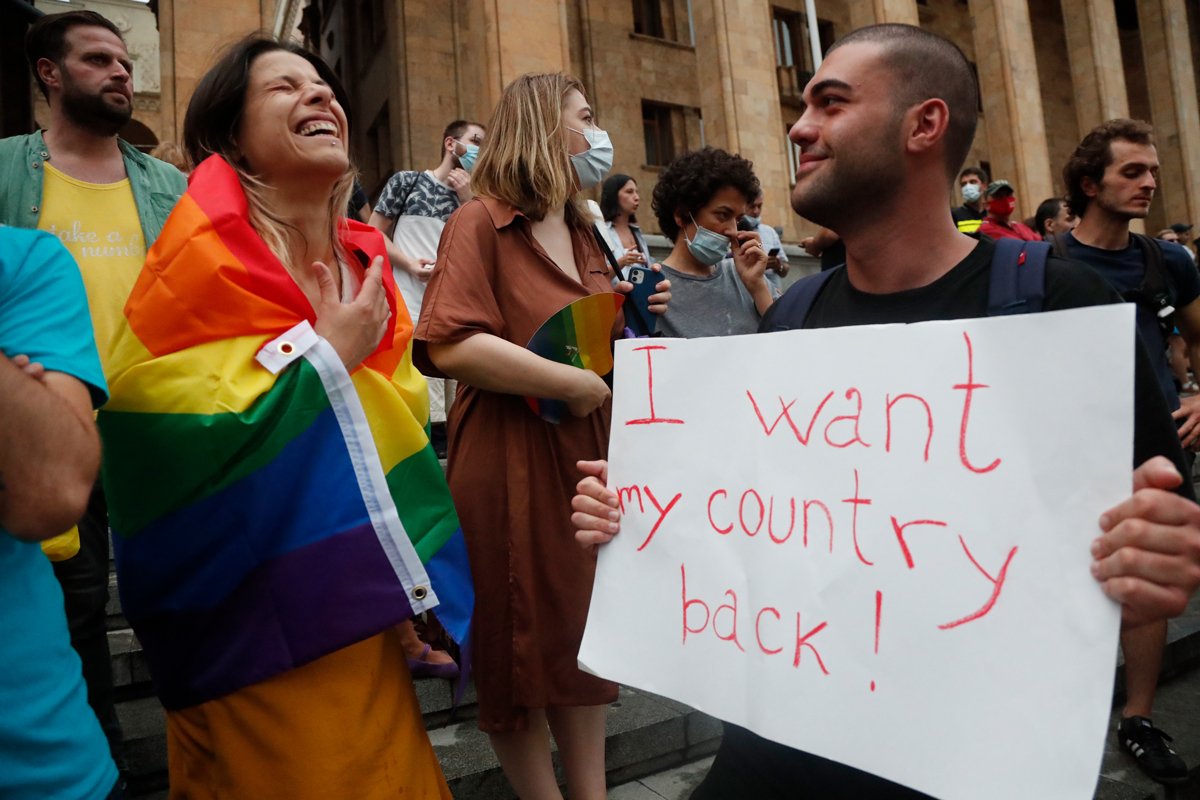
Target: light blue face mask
(468, 159)
(708, 247)
(972, 192)
(593, 164)
(755, 221)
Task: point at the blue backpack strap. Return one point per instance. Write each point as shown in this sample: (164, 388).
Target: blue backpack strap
(1018, 279)
(792, 308)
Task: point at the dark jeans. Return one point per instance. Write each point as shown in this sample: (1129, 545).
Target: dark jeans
(750, 766)
(84, 581)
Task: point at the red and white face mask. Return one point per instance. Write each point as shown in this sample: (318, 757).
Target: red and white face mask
(1002, 206)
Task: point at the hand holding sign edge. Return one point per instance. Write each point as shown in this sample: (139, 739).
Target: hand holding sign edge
(1148, 557)
(595, 516)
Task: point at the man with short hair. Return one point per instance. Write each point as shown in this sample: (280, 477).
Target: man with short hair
(1110, 179)
(777, 264)
(1053, 216)
(412, 211)
(106, 202)
(998, 224)
(51, 744)
(896, 100)
(969, 216)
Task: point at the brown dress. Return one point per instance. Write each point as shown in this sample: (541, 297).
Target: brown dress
(513, 475)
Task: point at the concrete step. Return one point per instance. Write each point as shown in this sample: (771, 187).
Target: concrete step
(647, 735)
(644, 734)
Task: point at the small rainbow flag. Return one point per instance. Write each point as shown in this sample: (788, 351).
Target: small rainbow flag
(579, 334)
(268, 508)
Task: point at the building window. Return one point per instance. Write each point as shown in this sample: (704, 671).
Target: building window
(793, 57)
(793, 152)
(648, 18)
(658, 133)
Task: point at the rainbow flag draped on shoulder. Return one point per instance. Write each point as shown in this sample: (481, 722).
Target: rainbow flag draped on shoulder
(267, 507)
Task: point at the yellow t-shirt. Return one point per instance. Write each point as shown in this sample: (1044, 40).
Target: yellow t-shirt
(98, 223)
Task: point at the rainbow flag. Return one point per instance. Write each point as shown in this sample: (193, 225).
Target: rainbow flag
(579, 334)
(268, 508)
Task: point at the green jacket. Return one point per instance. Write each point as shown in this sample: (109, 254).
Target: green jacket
(157, 186)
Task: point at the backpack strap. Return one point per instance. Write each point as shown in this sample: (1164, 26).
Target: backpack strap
(1017, 284)
(609, 256)
(1059, 243)
(1157, 290)
(791, 310)
(638, 324)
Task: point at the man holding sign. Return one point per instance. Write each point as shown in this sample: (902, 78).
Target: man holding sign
(897, 101)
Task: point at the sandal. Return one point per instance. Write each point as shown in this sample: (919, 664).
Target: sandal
(420, 668)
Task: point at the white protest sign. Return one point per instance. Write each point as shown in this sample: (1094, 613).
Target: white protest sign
(872, 543)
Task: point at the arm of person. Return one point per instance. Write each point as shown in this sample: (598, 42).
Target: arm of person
(1188, 414)
(750, 260)
(1147, 557)
(419, 268)
(49, 452)
(594, 509)
(460, 181)
(488, 362)
(819, 242)
(385, 224)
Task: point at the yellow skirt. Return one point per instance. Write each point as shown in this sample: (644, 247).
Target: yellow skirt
(345, 726)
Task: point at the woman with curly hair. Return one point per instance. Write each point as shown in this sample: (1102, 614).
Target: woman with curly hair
(717, 272)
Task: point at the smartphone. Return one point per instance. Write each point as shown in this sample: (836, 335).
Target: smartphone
(637, 302)
(774, 252)
(744, 225)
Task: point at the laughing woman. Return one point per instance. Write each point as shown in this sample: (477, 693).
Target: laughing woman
(276, 507)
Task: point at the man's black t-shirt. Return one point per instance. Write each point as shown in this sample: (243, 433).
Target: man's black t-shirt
(1125, 269)
(748, 765)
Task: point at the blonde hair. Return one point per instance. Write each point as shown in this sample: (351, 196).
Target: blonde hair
(283, 239)
(524, 160)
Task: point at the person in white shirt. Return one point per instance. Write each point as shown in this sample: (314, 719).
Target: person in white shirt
(619, 201)
(777, 264)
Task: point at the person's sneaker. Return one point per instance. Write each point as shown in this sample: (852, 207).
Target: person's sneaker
(1148, 745)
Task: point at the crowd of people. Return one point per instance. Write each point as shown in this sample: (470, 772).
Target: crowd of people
(276, 380)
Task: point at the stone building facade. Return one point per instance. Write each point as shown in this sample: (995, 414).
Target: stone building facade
(666, 76)
(669, 75)
(172, 44)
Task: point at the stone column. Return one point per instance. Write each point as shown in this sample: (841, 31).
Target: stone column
(1096, 75)
(872, 12)
(202, 29)
(740, 103)
(172, 114)
(1012, 99)
(1173, 106)
(524, 37)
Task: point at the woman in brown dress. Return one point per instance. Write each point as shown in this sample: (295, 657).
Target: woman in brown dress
(508, 260)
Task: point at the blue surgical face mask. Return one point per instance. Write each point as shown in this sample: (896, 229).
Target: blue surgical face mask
(972, 192)
(707, 247)
(593, 164)
(468, 159)
(755, 221)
